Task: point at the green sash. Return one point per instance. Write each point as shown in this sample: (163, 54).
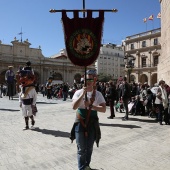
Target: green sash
(83, 113)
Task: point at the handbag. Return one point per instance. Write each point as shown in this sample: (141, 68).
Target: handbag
(34, 109)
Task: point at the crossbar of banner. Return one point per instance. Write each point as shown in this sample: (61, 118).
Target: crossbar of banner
(83, 10)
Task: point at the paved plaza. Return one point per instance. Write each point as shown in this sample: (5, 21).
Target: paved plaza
(137, 144)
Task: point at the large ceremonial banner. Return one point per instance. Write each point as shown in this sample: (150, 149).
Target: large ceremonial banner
(83, 37)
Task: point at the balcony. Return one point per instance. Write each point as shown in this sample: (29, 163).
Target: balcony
(144, 34)
(146, 66)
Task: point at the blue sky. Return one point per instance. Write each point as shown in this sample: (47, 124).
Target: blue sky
(43, 28)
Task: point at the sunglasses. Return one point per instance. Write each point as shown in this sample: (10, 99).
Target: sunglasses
(89, 80)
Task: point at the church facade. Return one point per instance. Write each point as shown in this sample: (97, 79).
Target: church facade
(59, 67)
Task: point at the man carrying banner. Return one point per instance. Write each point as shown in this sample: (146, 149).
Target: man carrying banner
(86, 127)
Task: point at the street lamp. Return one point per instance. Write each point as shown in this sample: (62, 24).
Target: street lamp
(129, 63)
(150, 52)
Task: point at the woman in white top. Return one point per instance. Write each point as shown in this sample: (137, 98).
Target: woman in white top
(86, 128)
(161, 101)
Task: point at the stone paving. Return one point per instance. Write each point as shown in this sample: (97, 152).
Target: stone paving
(137, 144)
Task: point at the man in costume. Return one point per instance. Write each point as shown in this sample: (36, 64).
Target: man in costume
(161, 103)
(86, 127)
(27, 96)
(10, 79)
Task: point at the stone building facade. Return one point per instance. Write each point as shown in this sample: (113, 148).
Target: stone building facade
(58, 66)
(164, 64)
(145, 47)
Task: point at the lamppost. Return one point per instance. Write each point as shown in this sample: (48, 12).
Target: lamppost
(129, 64)
(150, 52)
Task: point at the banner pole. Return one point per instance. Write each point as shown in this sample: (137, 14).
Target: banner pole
(83, 8)
(85, 68)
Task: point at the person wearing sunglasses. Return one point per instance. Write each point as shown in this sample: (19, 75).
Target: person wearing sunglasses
(87, 132)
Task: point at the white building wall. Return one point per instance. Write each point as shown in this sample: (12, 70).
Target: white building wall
(110, 60)
(164, 65)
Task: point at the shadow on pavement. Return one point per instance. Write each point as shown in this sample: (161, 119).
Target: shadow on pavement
(45, 103)
(143, 120)
(12, 110)
(52, 132)
(120, 125)
(15, 99)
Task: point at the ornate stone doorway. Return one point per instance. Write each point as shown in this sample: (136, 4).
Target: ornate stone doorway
(143, 78)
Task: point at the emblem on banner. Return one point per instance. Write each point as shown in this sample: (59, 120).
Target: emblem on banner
(82, 44)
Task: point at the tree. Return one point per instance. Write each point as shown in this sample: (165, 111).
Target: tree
(103, 77)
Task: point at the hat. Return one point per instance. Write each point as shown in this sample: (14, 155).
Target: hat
(10, 66)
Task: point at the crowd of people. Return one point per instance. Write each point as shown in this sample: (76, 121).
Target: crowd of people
(59, 91)
(134, 98)
(131, 98)
(137, 99)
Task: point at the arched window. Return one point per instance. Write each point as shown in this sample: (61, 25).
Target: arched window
(143, 78)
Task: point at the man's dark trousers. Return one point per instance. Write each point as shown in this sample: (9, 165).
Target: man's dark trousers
(125, 103)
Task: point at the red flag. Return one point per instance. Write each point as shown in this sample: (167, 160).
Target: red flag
(145, 20)
(151, 17)
(159, 15)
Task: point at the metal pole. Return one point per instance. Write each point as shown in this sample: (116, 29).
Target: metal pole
(83, 10)
(129, 74)
(85, 68)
